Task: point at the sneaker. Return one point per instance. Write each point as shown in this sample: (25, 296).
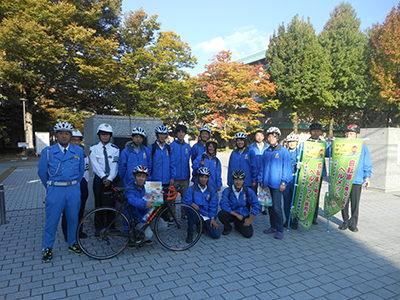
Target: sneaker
(226, 231)
(189, 238)
(149, 242)
(285, 224)
(279, 235)
(131, 245)
(315, 222)
(295, 226)
(75, 249)
(265, 212)
(47, 255)
(354, 229)
(270, 230)
(344, 226)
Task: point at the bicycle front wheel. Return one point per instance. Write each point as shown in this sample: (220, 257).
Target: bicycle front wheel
(107, 233)
(173, 235)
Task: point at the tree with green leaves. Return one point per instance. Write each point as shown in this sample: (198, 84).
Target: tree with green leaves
(346, 47)
(385, 59)
(152, 68)
(299, 68)
(231, 88)
(56, 51)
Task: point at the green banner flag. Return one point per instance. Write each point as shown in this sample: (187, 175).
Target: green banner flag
(345, 157)
(308, 182)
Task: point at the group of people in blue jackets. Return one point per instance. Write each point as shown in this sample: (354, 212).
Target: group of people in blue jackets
(260, 164)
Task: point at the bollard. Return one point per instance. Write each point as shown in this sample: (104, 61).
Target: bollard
(2, 206)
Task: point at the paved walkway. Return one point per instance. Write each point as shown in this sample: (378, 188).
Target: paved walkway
(306, 264)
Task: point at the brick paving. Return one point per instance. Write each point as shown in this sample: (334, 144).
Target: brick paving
(306, 264)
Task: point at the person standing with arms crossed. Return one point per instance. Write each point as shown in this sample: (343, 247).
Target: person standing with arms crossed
(104, 158)
(61, 169)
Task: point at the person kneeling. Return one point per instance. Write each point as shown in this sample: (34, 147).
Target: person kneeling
(205, 201)
(235, 206)
(139, 206)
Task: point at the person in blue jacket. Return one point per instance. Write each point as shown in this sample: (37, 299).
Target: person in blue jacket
(205, 201)
(243, 159)
(161, 163)
(139, 207)
(200, 147)
(181, 152)
(292, 143)
(209, 160)
(363, 174)
(133, 155)
(236, 202)
(258, 147)
(61, 169)
(275, 173)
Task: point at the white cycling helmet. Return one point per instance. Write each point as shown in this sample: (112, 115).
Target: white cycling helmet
(274, 130)
(63, 126)
(205, 128)
(292, 138)
(139, 131)
(203, 171)
(161, 129)
(104, 128)
(240, 135)
(77, 133)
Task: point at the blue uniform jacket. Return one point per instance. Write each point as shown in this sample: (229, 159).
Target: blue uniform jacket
(181, 154)
(197, 149)
(162, 165)
(208, 203)
(245, 162)
(214, 164)
(253, 147)
(364, 167)
(135, 198)
(276, 167)
(128, 160)
(57, 166)
(239, 205)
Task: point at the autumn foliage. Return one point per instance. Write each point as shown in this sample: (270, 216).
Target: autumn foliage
(385, 57)
(232, 88)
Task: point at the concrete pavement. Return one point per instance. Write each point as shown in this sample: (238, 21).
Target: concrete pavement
(306, 264)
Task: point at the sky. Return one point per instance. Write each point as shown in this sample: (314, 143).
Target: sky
(244, 27)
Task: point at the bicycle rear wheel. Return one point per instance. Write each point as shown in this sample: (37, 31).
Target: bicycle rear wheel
(173, 235)
(103, 241)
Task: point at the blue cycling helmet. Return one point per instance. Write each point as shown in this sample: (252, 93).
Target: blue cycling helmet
(161, 129)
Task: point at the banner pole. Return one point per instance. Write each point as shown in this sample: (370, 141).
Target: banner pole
(329, 177)
(298, 159)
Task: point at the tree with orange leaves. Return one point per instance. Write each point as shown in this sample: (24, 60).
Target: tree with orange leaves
(232, 88)
(385, 58)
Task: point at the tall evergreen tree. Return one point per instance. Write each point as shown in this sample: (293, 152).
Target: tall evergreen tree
(346, 47)
(298, 66)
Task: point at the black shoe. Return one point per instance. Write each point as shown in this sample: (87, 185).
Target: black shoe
(75, 249)
(295, 226)
(82, 235)
(265, 212)
(354, 229)
(315, 222)
(65, 238)
(344, 226)
(189, 238)
(226, 231)
(285, 225)
(47, 255)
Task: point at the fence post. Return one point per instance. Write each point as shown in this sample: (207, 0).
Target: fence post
(2, 206)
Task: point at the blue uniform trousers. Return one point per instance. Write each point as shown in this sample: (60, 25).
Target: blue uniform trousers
(215, 233)
(275, 211)
(59, 199)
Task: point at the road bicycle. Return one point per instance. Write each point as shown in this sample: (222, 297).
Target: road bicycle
(105, 241)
